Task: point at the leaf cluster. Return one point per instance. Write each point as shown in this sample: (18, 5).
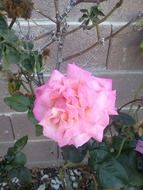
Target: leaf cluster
(91, 16)
(113, 163)
(13, 165)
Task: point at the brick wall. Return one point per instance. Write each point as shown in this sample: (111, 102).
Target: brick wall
(124, 66)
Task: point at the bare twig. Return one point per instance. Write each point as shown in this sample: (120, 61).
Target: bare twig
(48, 44)
(74, 30)
(46, 16)
(100, 42)
(43, 35)
(118, 4)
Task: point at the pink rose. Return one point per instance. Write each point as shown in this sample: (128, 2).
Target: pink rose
(74, 108)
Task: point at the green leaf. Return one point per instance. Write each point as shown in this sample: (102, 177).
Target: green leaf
(19, 103)
(84, 10)
(38, 63)
(97, 157)
(83, 18)
(22, 173)
(1, 5)
(111, 174)
(39, 130)
(31, 117)
(11, 55)
(92, 185)
(20, 159)
(28, 45)
(86, 22)
(141, 45)
(133, 188)
(10, 154)
(3, 23)
(9, 36)
(128, 145)
(95, 12)
(20, 143)
(129, 160)
(73, 154)
(123, 119)
(28, 62)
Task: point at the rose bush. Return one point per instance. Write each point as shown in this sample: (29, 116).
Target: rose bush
(74, 108)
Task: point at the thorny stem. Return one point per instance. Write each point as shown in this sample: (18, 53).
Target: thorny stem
(59, 35)
(100, 42)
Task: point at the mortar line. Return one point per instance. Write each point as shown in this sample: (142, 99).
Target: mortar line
(44, 22)
(29, 141)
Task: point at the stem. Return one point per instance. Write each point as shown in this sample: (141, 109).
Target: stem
(48, 44)
(31, 88)
(74, 30)
(130, 102)
(62, 177)
(12, 23)
(121, 147)
(111, 11)
(95, 181)
(97, 31)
